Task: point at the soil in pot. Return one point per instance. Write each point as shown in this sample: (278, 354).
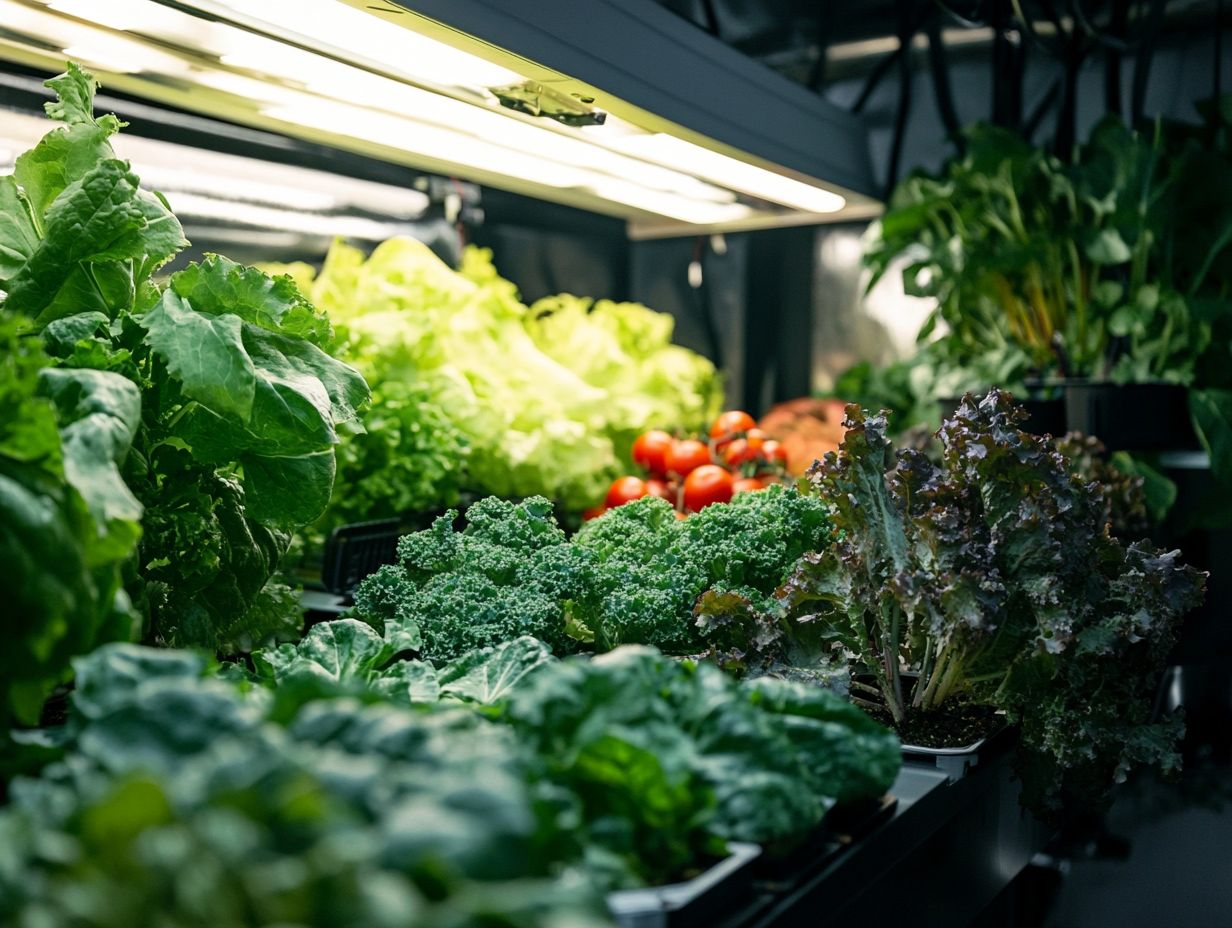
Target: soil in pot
(946, 728)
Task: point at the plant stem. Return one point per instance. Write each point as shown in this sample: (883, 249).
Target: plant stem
(952, 674)
(934, 679)
(926, 666)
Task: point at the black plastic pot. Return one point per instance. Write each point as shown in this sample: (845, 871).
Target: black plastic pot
(1044, 416)
(1131, 416)
(694, 903)
(841, 827)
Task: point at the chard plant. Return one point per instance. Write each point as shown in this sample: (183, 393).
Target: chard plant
(991, 579)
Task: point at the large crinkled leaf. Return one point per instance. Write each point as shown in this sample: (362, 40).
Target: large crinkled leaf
(18, 235)
(206, 354)
(74, 90)
(488, 675)
(290, 365)
(108, 677)
(62, 334)
(408, 681)
(99, 413)
(262, 392)
(290, 491)
(95, 219)
(340, 650)
(66, 154)
(218, 285)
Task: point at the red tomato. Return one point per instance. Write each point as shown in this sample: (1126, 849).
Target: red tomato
(731, 422)
(705, 485)
(624, 490)
(660, 489)
(747, 485)
(773, 452)
(650, 451)
(686, 456)
(743, 450)
(593, 513)
(680, 516)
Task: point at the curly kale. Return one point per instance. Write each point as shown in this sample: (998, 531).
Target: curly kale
(655, 569)
(646, 587)
(634, 576)
(509, 573)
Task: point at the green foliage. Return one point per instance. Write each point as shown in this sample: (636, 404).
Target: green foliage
(663, 760)
(485, 395)
(209, 404)
(189, 800)
(67, 521)
(667, 756)
(993, 577)
(409, 457)
(633, 576)
(1071, 268)
(626, 350)
(509, 573)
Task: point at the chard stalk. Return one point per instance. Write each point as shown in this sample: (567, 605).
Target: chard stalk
(926, 667)
(1080, 300)
(934, 679)
(952, 674)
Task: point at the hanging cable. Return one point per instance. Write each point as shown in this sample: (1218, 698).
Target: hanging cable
(1142, 63)
(942, 90)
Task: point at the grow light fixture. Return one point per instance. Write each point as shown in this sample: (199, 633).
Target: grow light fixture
(206, 188)
(643, 119)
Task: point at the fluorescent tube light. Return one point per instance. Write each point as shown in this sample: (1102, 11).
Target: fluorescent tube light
(115, 14)
(359, 35)
(428, 141)
(722, 169)
(265, 217)
(336, 71)
(122, 56)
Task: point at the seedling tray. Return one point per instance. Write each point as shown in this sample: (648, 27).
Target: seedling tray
(957, 762)
(694, 903)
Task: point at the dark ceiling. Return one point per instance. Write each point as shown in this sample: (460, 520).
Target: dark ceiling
(793, 35)
(1047, 69)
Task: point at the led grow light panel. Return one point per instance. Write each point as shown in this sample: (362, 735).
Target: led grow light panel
(344, 74)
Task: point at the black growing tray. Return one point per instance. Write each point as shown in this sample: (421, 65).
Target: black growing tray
(1131, 416)
(693, 903)
(839, 829)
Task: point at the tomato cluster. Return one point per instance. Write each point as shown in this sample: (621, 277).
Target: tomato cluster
(692, 474)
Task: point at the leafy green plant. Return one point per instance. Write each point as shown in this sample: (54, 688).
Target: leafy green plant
(539, 401)
(666, 759)
(67, 520)
(1057, 268)
(636, 575)
(991, 578)
(187, 799)
(238, 407)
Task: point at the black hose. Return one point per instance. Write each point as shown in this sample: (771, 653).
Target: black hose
(938, 62)
(906, 30)
(1142, 64)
